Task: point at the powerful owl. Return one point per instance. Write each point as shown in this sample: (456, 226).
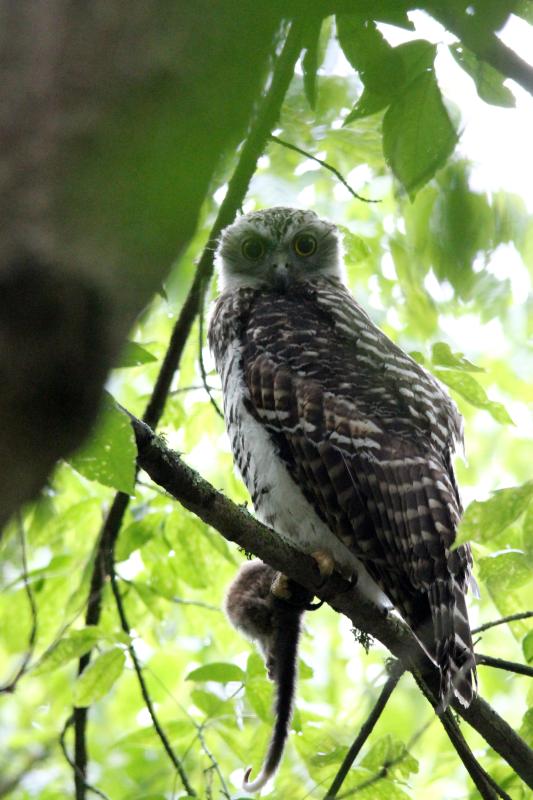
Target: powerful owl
(344, 442)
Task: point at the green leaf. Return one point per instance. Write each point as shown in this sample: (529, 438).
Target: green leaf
(355, 248)
(503, 571)
(489, 82)
(527, 646)
(211, 704)
(369, 103)
(418, 135)
(133, 355)
(312, 56)
(416, 57)
(524, 9)
(442, 355)
(392, 753)
(305, 672)
(467, 386)
(134, 536)
(526, 729)
(109, 454)
(379, 65)
(482, 521)
(148, 737)
(255, 666)
(189, 546)
(99, 677)
(74, 645)
(527, 532)
(219, 671)
(259, 692)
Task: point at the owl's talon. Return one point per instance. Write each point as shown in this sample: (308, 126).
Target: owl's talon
(281, 587)
(325, 563)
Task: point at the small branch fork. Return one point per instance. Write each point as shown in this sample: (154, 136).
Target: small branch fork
(387, 765)
(366, 729)
(169, 471)
(103, 570)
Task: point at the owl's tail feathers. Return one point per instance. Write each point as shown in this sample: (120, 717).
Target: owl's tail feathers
(454, 650)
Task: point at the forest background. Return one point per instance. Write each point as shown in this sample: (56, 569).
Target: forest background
(121, 675)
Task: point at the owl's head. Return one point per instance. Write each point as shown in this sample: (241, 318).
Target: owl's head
(276, 249)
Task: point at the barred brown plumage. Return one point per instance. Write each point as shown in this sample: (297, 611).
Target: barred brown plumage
(344, 442)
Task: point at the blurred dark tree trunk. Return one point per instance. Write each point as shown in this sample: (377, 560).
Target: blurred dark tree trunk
(112, 118)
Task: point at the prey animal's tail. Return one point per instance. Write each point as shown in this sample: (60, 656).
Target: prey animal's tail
(284, 674)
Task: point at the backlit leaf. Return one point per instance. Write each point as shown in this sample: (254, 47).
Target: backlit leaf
(219, 671)
(467, 386)
(133, 355)
(483, 520)
(109, 454)
(98, 678)
(489, 82)
(442, 355)
(418, 135)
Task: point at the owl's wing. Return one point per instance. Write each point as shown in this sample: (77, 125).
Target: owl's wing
(367, 435)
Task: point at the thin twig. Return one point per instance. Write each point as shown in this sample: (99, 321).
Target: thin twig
(254, 145)
(201, 727)
(501, 663)
(144, 689)
(11, 685)
(366, 729)
(503, 620)
(184, 389)
(387, 765)
(62, 743)
(324, 164)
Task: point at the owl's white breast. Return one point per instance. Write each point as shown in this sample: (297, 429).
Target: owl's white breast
(278, 500)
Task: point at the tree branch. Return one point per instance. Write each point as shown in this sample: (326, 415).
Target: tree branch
(88, 787)
(503, 620)
(366, 729)
(501, 663)
(488, 47)
(486, 786)
(168, 470)
(252, 149)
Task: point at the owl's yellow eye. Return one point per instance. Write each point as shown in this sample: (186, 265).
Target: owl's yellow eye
(304, 245)
(253, 249)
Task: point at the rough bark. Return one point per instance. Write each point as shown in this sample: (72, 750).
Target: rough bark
(113, 117)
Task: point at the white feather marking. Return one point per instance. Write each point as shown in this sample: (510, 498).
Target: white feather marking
(280, 501)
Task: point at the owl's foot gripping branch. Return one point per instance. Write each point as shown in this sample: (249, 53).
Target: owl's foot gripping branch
(233, 522)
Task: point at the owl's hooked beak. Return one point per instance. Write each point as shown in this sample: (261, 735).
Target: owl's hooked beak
(280, 277)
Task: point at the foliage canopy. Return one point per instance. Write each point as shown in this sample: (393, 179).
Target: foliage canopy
(422, 259)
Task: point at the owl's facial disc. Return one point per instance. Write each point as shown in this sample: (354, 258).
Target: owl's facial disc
(277, 249)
